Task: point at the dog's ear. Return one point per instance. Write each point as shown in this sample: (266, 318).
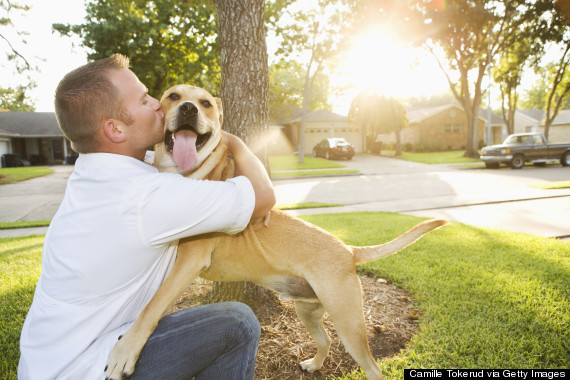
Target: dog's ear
(220, 108)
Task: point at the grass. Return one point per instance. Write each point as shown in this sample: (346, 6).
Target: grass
(487, 298)
(298, 206)
(290, 162)
(552, 185)
(20, 263)
(12, 175)
(26, 224)
(304, 173)
(451, 157)
(289, 166)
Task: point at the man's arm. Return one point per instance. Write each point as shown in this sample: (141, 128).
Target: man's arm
(248, 165)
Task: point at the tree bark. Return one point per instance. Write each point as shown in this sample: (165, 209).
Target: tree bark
(244, 92)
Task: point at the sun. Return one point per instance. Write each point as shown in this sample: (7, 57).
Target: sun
(378, 60)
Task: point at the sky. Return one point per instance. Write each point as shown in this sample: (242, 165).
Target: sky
(375, 60)
(57, 54)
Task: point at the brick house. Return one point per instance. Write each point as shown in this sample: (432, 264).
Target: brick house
(436, 129)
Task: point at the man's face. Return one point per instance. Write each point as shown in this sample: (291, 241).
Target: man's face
(145, 111)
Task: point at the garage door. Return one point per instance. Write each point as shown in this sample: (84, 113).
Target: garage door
(313, 136)
(352, 135)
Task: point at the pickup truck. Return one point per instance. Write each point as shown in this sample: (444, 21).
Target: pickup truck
(525, 147)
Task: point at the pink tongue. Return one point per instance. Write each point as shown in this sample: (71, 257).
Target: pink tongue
(184, 149)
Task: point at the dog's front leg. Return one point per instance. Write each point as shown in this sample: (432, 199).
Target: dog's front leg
(194, 259)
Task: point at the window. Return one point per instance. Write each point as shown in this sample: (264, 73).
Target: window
(451, 128)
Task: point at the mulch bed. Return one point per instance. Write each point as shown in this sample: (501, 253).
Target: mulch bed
(390, 317)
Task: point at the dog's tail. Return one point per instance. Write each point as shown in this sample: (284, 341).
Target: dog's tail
(366, 254)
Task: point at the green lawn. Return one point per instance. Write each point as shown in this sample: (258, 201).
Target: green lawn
(289, 166)
(20, 264)
(487, 298)
(11, 175)
(298, 206)
(291, 162)
(553, 185)
(30, 224)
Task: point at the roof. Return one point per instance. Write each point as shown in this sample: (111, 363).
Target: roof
(322, 115)
(534, 114)
(29, 124)
(419, 114)
(563, 117)
(295, 114)
(495, 119)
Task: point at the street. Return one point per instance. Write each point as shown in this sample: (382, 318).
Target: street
(501, 199)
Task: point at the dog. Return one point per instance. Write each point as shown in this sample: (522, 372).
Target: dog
(300, 261)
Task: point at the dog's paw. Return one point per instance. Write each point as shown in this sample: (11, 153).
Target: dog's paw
(310, 365)
(121, 362)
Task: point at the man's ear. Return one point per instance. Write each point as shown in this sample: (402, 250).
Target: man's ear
(220, 109)
(114, 131)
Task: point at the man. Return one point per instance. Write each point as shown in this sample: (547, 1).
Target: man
(114, 239)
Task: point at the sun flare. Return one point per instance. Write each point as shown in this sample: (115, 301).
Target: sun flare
(377, 60)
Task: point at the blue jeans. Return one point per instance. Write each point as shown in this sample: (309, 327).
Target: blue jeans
(217, 341)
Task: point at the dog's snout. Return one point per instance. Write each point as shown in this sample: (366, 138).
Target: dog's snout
(188, 108)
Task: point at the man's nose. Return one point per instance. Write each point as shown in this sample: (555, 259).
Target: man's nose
(156, 103)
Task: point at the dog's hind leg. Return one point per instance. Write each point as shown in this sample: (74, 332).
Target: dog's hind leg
(311, 315)
(342, 300)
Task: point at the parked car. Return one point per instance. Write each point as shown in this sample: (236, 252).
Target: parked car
(525, 147)
(334, 147)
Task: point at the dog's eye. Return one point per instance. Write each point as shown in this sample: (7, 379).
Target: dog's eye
(174, 96)
(206, 103)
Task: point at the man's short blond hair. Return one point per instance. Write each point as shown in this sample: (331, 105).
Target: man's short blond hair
(86, 97)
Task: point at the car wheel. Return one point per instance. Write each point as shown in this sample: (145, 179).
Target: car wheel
(492, 165)
(565, 160)
(517, 162)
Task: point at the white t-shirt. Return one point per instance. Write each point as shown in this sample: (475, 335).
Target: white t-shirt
(109, 247)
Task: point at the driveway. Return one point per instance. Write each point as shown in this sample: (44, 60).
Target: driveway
(31, 200)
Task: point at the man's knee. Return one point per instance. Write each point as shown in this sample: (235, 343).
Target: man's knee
(245, 319)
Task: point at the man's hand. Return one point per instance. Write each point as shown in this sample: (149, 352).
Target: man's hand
(248, 165)
(266, 219)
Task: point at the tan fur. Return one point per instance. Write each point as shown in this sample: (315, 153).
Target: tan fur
(299, 260)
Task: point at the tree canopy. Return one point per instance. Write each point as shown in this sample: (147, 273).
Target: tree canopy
(14, 99)
(378, 114)
(167, 41)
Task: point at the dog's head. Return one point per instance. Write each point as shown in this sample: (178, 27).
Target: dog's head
(192, 124)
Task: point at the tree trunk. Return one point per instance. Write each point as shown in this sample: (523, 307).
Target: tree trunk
(244, 92)
(245, 78)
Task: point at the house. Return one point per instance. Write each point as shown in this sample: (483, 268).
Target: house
(33, 136)
(318, 126)
(437, 128)
(533, 121)
(559, 130)
(497, 127)
(527, 120)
